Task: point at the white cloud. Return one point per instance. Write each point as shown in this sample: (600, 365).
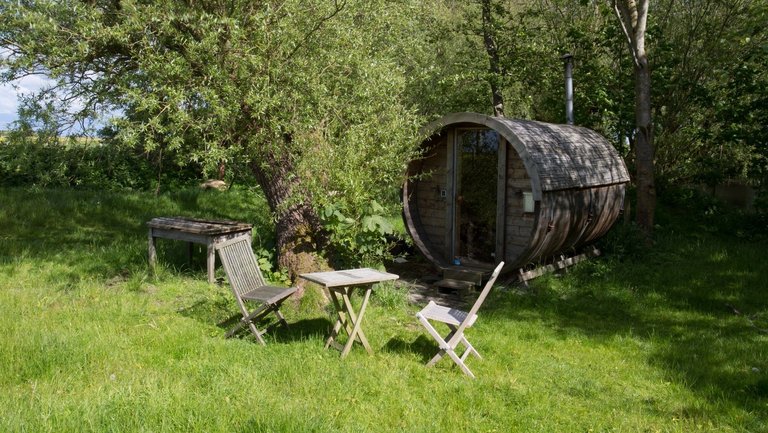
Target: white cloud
(5, 121)
(10, 92)
(8, 105)
(8, 100)
(9, 96)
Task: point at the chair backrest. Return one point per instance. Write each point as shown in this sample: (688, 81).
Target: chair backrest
(240, 265)
(479, 301)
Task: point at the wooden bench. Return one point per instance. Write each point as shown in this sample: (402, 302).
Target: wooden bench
(206, 232)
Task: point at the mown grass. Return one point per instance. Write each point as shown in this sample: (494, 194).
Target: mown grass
(669, 339)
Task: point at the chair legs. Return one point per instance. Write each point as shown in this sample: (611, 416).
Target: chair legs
(257, 333)
(460, 362)
(470, 349)
(250, 319)
(447, 349)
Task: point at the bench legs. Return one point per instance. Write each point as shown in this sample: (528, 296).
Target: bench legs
(211, 262)
(152, 250)
(208, 241)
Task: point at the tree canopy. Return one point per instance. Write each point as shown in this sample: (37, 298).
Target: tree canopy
(322, 100)
(307, 94)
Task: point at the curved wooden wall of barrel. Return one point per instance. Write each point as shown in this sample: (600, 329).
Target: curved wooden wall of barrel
(574, 176)
(569, 219)
(424, 193)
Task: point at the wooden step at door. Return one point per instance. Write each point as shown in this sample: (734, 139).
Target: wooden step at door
(472, 276)
(459, 280)
(448, 285)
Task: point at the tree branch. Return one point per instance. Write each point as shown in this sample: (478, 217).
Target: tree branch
(625, 19)
(337, 7)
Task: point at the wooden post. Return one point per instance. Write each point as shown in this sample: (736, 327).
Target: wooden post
(211, 261)
(152, 250)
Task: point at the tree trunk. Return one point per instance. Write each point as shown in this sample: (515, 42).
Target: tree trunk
(298, 228)
(644, 150)
(494, 68)
(633, 16)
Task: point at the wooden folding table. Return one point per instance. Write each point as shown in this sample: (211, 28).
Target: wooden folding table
(340, 285)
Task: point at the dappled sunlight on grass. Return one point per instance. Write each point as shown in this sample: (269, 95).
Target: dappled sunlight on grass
(687, 308)
(671, 340)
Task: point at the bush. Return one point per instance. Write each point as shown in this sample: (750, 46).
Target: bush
(361, 241)
(710, 215)
(625, 241)
(42, 161)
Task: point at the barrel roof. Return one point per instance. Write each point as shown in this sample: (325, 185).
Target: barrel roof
(556, 156)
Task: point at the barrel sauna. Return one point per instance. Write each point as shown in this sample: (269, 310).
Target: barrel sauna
(487, 189)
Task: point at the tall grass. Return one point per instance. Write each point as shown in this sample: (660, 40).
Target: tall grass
(668, 339)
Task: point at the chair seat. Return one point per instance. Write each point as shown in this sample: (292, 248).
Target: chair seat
(447, 315)
(457, 321)
(269, 294)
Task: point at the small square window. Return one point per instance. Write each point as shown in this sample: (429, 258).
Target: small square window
(528, 204)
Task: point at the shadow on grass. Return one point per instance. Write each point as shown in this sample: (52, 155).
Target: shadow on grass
(302, 330)
(422, 346)
(697, 304)
(220, 311)
(100, 234)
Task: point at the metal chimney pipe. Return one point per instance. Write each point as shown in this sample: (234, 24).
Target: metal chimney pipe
(568, 60)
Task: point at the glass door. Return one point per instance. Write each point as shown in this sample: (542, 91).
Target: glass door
(476, 182)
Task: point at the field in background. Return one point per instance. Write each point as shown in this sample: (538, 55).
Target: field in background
(669, 339)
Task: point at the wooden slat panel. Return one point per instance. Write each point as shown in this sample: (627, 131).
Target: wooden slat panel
(198, 226)
(349, 277)
(241, 267)
(568, 156)
(451, 316)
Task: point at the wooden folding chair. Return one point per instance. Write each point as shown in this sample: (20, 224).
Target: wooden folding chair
(457, 321)
(248, 286)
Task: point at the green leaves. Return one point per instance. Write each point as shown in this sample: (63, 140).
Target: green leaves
(358, 241)
(335, 220)
(374, 220)
(709, 80)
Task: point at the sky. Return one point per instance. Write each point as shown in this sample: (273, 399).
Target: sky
(9, 101)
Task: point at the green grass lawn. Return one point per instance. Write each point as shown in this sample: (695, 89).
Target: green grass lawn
(672, 339)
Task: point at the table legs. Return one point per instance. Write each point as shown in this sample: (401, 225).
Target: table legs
(209, 241)
(211, 262)
(348, 320)
(152, 250)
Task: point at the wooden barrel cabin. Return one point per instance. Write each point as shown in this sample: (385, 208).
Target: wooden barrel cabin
(488, 189)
